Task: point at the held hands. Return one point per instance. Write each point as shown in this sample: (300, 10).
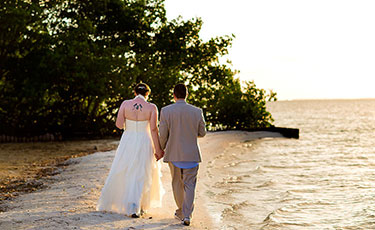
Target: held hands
(159, 154)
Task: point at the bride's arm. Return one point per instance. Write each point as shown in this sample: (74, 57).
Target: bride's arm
(155, 132)
(120, 121)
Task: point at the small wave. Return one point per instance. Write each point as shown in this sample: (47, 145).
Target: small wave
(284, 225)
(265, 184)
(228, 192)
(258, 168)
(233, 209)
(231, 164)
(274, 220)
(314, 203)
(285, 166)
(229, 180)
(270, 217)
(306, 190)
(237, 163)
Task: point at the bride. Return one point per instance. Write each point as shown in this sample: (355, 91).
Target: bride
(133, 184)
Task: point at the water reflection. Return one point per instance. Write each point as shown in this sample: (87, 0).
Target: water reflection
(321, 181)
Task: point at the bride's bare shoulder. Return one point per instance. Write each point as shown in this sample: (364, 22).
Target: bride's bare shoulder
(152, 105)
(127, 101)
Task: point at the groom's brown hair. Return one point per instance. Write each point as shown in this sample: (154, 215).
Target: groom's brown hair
(180, 91)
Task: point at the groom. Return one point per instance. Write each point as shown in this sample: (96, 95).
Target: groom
(180, 126)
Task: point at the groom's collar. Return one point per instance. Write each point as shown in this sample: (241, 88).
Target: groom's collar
(181, 101)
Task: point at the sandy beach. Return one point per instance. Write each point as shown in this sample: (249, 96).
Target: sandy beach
(69, 200)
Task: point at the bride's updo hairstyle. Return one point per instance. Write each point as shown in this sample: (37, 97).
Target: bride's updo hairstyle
(142, 88)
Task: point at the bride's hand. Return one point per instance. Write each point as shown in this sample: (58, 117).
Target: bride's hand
(159, 154)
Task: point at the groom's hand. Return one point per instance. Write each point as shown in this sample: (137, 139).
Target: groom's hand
(159, 155)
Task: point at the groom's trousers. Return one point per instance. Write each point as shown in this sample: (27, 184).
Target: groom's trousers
(183, 184)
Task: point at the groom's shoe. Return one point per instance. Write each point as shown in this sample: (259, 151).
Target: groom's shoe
(135, 215)
(186, 221)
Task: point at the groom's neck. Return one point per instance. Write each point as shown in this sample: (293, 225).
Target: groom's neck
(179, 99)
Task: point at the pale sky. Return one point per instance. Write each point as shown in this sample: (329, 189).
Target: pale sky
(300, 49)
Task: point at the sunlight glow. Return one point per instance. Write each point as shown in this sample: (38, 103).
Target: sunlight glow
(300, 49)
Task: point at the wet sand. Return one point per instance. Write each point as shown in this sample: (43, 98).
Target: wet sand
(68, 201)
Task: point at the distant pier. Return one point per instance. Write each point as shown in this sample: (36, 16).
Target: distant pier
(286, 132)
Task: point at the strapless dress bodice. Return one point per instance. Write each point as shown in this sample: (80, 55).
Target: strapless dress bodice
(138, 126)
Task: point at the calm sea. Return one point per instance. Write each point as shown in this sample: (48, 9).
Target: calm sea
(324, 180)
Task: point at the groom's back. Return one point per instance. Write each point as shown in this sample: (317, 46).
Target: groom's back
(180, 126)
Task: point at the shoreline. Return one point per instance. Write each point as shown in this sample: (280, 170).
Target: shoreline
(69, 200)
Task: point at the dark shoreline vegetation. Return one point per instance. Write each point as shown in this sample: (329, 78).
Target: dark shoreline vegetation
(65, 67)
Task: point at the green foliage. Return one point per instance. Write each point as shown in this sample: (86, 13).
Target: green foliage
(239, 107)
(66, 66)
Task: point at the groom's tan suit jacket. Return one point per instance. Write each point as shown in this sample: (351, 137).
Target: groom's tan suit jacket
(180, 126)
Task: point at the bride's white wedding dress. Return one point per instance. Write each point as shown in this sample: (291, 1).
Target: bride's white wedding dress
(133, 183)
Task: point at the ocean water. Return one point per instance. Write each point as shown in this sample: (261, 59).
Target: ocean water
(324, 180)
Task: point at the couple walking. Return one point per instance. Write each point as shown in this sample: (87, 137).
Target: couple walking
(133, 184)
